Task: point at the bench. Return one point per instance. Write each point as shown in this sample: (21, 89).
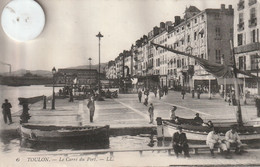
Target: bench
(194, 149)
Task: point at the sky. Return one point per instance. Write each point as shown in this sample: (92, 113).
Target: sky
(69, 36)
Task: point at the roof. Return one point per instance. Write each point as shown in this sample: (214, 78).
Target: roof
(192, 9)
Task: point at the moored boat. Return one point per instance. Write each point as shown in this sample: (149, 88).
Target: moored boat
(64, 134)
(247, 133)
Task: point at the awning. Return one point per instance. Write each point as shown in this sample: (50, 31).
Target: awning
(182, 39)
(203, 77)
(229, 81)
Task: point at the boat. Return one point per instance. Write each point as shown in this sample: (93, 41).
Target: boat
(64, 134)
(195, 132)
(29, 100)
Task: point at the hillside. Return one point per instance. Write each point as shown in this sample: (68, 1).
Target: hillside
(45, 73)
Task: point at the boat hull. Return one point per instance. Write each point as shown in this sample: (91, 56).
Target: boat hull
(199, 133)
(64, 134)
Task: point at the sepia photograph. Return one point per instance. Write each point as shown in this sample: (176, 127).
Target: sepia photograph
(122, 83)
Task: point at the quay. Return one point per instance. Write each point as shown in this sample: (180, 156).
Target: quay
(126, 116)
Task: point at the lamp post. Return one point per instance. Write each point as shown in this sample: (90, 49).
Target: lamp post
(99, 35)
(53, 93)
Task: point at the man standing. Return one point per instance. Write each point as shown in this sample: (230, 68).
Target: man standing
(91, 107)
(232, 139)
(183, 93)
(213, 140)
(6, 106)
(173, 115)
(150, 111)
(180, 143)
(140, 96)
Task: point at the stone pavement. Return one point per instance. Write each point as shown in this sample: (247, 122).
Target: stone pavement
(126, 111)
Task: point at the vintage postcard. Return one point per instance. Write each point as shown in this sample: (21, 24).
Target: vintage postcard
(129, 83)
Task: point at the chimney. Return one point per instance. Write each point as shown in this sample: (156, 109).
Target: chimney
(177, 20)
(162, 25)
(230, 7)
(155, 31)
(168, 23)
(222, 6)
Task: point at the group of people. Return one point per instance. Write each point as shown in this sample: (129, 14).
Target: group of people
(180, 142)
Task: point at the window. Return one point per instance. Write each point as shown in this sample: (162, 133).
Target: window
(202, 17)
(182, 62)
(218, 56)
(242, 63)
(252, 13)
(217, 31)
(188, 38)
(253, 62)
(253, 36)
(195, 21)
(182, 27)
(195, 35)
(241, 18)
(217, 16)
(239, 39)
(202, 56)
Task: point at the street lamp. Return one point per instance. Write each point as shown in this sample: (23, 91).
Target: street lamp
(53, 93)
(99, 35)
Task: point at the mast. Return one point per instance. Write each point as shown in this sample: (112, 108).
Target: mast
(238, 108)
(235, 71)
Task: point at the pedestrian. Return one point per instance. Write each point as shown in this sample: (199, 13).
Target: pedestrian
(173, 115)
(71, 96)
(6, 106)
(198, 93)
(146, 100)
(192, 93)
(180, 143)
(232, 139)
(140, 96)
(91, 107)
(151, 113)
(183, 93)
(155, 92)
(213, 140)
(257, 104)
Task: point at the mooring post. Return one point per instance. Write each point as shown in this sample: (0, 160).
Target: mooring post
(44, 102)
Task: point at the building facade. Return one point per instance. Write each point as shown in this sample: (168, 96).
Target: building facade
(205, 34)
(246, 40)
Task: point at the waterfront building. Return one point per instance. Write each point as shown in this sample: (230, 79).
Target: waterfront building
(205, 34)
(69, 77)
(246, 41)
(110, 70)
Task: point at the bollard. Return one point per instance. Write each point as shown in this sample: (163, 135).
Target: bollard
(44, 102)
(25, 116)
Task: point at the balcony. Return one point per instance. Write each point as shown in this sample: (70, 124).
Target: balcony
(241, 5)
(247, 48)
(150, 66)
(240, 26)
(252, 22)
